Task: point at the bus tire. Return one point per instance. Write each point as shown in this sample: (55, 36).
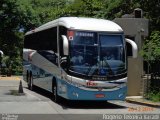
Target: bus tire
(27, 77)
(56, 97)
(30, 83)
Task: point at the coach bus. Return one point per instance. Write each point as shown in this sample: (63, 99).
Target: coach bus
(78, 59)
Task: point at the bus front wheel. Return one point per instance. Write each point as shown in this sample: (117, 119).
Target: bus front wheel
(56, 97)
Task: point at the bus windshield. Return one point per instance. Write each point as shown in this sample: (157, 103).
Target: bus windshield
(97, 54)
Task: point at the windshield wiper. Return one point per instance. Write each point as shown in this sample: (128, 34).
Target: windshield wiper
(110, 69)
(98, 66)
(90, 68)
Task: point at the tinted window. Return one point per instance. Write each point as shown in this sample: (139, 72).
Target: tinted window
(111, 40)
(43, 40)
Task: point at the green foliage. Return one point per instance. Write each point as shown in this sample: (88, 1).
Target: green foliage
(85, 8)
(40, 11)
(11, 41)
(153, 96)
(151, 11)
(151, 49)
(8, 15)
(19, 16)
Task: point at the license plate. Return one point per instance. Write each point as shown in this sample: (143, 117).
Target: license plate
(100, 95)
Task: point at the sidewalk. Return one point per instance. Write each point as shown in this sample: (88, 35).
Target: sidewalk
(27, 103)
(140, 100)
(11, 78)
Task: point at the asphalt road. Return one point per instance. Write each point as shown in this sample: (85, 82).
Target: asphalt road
(38, 104)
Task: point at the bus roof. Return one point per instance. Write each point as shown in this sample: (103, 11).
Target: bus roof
(80, 23)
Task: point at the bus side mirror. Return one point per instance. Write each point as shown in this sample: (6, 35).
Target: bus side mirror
(1, 53)
(132, 49)
(65, 45)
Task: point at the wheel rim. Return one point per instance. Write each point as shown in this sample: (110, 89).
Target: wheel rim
(55, 93)
(31, 83)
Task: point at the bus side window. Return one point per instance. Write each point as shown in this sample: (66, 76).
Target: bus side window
(43, 40)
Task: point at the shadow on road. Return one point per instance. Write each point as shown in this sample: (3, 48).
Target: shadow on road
(90, 105)
(80, 104)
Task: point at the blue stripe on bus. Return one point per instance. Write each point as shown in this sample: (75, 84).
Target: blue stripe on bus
(75, 93)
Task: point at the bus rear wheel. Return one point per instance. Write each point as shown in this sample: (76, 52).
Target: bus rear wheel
(30, 83)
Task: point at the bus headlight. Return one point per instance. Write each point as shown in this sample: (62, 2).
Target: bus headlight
(120, 95)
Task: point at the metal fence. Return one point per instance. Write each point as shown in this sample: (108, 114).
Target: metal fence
(151, 81)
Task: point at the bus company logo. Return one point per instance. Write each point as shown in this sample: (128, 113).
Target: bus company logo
(84, 34)
(91, 83)
(70, 35)
(100, 78)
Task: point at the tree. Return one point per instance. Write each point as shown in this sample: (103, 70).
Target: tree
(43, 11)
(151, 53)
(10, 41)
(151, 48)
(19, 16)
(84, 8)
(151, 11)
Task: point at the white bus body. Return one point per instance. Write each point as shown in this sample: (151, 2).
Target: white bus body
(67, 56)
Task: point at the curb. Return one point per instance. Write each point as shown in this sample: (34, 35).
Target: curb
(147, 103)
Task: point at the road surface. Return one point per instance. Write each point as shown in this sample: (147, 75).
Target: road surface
(38, 104)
